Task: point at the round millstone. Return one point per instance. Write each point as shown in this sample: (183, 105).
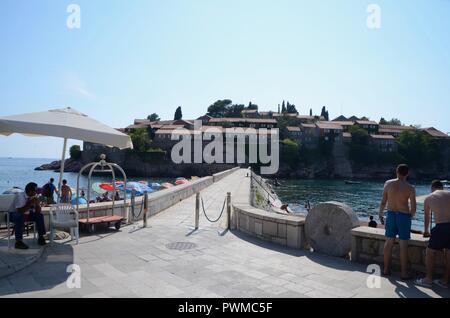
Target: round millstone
(328, 228)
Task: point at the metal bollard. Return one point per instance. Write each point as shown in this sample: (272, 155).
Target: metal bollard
(229, 210)
(145, 208)
(132, 202)
(197, 210)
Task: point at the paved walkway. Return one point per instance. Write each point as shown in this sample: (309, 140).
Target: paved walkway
(139, 262)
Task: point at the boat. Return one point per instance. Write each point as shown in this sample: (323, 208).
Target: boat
(181, 181)
(352, 182)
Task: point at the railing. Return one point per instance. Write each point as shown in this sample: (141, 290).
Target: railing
(262, 186)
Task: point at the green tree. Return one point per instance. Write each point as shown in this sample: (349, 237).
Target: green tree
(418, 148)
(252, 106)
(283, 107)
(178, 114)
(219, 108)
(290, 152)
(75, 152)
(360, 136)
(153, 117)
(285, 121)
(140, 139)
(310, 112)
(291, 108)
(324, 113)
(393, 122)
(234, 111)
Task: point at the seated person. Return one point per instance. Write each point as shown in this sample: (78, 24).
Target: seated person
(27, 204)
(105, 197)
(373, 223)
(285, 207)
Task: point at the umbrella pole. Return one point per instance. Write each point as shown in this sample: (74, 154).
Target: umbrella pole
(61, 172)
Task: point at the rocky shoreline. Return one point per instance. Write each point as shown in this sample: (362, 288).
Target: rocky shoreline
(70, 165)
(136, 166)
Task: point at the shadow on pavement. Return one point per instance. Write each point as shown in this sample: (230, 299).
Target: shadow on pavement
(47, 272)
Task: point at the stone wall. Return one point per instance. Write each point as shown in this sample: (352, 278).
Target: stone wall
(368, 244)
(219, 176)
(286, 230)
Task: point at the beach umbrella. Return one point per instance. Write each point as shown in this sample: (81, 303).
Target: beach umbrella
(155, 185)
(166, 185)
(106, 186)
(139, 188)
(66, 123)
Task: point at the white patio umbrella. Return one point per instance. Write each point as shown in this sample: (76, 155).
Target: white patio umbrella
(66, 123)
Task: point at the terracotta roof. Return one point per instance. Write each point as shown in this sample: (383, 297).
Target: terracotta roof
(138, 126)
(169, 127)
(249, 111)
(308, 125)
(396, 128)
(328, 125)
(141, 121)
(435, 133)
(305, 117)
(243, 120)
(291, 128)
(387, 137)
(366, 122)
(341, 118)
(344, 123)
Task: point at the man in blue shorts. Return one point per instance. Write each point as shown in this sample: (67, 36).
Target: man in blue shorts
(438, 202)
(400, 198)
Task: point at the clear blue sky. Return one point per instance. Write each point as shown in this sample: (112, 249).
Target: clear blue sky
(133, 58)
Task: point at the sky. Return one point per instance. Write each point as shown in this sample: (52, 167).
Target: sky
(132, 58)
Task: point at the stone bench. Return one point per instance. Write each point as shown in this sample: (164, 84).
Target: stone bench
(368, 244)
(286, 230)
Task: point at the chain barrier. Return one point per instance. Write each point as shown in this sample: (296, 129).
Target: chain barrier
(204, 212)
(140, 211)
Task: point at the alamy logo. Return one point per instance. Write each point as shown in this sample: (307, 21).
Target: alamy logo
(374, 279)
(74, 279)
(74, 19)
(211, 144)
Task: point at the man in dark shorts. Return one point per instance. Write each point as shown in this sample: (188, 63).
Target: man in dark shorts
(400, 198)
(438, 202)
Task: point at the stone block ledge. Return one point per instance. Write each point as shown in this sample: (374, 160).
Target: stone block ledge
(287, 230)
(368, 248)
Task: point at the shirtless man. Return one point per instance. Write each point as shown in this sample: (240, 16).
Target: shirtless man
(66, 192)
(438, 202)
(400, 198)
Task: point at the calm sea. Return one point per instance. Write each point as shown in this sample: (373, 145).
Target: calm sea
(17, 172)
(363, 198)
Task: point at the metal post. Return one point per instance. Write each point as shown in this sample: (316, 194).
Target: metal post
(145, 208)
(133, 202)
(229, 210)
(197, 210)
